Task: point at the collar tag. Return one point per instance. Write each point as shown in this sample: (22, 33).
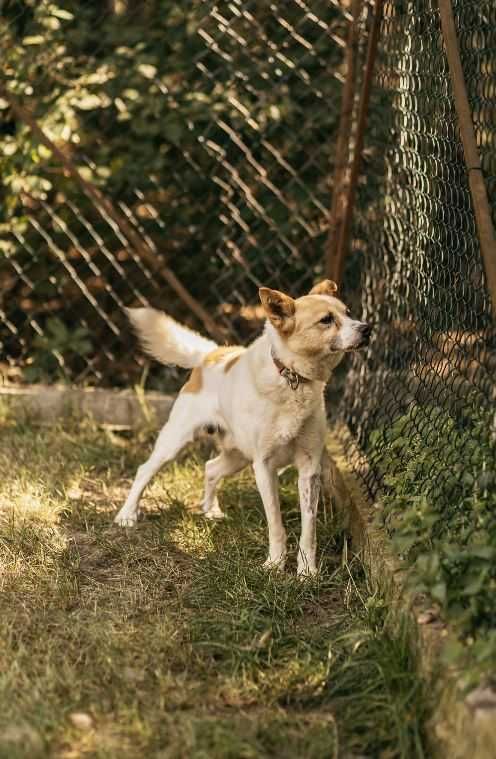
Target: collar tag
(291, 377)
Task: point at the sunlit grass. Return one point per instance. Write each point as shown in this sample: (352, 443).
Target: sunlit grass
(170, 639)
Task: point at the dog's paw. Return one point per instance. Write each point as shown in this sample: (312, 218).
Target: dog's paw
(214, 513)
(278, 563)
(213, 510)
(305, 570)
(126, 520)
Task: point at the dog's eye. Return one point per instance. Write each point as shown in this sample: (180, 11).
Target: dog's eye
(329, 319)
(348, 312)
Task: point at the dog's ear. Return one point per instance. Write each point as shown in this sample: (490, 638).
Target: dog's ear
(326, 287)
(279, 308)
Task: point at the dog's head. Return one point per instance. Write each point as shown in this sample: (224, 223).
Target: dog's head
(315, 325)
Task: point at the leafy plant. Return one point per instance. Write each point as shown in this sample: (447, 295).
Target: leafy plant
(52, 349)
(440, 509)
(142, 101)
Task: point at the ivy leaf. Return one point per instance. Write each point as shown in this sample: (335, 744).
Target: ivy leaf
(438, 592)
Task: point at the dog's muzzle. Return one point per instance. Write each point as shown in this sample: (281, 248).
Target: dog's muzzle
(365, 332)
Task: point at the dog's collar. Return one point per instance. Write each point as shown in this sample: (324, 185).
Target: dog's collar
(292, 378)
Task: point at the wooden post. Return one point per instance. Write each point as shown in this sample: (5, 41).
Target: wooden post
(344, 234)
(482, 209)
(332, 264)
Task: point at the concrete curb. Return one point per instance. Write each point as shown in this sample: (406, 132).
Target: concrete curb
(113, 408)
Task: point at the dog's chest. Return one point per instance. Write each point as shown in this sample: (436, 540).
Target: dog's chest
(287, 420)
(265, 416)
(277, 424)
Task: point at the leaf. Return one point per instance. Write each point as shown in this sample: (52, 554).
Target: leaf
(481, 551)
(44, 152)
(83, 347)
(474, 586)
(36, 39)
(88, 102)
(147, 70)
(57, 328)
(173, 129)
(9, 148)
(403, 543)
(32, 373)
(453, 651)
(130, 93)
(438, 592)
(61, 13)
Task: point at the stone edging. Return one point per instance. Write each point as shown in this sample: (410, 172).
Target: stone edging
(113, 408)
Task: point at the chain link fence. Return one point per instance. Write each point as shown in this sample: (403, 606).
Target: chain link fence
(173, 154)
(421, 403)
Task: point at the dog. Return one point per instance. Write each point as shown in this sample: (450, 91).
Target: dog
(265, 401)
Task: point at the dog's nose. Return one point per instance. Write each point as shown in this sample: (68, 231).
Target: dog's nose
(365, 329)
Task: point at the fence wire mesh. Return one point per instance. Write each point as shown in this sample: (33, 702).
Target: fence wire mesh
(423, 278)
(208, 127)
(208, 131)
(421, 404)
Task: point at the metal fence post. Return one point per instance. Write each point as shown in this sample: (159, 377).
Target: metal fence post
(345, 229)
(482, 210)
(338, 202)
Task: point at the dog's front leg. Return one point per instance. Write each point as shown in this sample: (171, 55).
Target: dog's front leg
(268, 487)
(308, 490)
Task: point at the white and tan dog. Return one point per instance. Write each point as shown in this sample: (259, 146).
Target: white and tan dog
(266, 401)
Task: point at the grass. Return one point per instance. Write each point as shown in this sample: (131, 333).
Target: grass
(170, 640)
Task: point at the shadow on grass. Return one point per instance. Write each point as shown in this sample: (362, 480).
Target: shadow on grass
(171, 638)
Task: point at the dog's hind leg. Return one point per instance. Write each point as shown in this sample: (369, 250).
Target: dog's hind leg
(335, 495)
(228, 462)
(180, 430)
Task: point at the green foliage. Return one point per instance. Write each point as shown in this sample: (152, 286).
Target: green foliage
(200, 142)
(440, 509)
(54, 348)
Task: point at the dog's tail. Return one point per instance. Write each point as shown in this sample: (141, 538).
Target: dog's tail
(167, 340)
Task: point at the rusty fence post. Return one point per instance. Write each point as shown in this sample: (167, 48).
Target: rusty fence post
(478, 191)
(341, 249)
(343, 143)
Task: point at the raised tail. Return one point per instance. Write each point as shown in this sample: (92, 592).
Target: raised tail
(167, 340)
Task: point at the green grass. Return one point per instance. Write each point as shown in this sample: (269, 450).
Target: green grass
(171, 638)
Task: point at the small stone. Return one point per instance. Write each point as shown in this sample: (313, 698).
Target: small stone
(482, 699)
(427, 617)
(133, 674)
(23, 735)
(81, 720)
